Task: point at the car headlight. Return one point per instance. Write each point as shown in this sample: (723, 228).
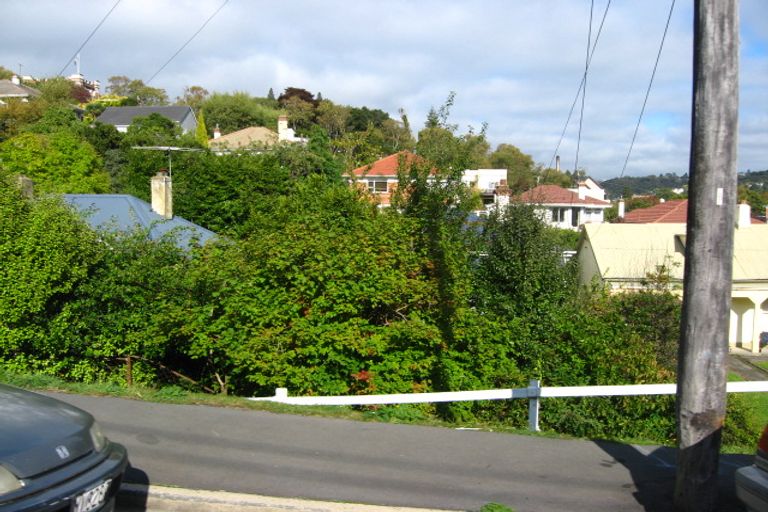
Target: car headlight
(98, 438)
(8, 482)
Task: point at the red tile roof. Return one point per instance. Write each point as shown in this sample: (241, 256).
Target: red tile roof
(553, 194)
(387, 166)
(674, 211)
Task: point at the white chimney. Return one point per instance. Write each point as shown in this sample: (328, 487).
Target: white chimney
(743, 215)
(622, 208)
(15, 80)
(162, 194)
(216, 132)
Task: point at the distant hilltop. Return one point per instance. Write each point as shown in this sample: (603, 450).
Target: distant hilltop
(642, 185)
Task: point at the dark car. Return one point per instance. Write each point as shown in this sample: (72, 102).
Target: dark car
(54, 457)
(752, 481)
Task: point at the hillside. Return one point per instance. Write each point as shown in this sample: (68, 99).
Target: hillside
(640, 185)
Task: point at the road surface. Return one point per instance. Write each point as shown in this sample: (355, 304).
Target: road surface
(246, 451)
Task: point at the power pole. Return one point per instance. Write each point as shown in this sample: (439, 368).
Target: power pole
(701, 376)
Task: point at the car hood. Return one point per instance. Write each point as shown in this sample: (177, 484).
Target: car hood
(38, 434)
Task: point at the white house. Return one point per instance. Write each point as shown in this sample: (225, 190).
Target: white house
(568, 208)
(621, 256)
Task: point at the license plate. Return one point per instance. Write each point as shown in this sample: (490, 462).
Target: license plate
(92, 498)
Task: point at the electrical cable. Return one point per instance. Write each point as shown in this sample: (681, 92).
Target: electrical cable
(188, 41)
(89, 37)
(648, 91)
(578, 92)
(584, 89)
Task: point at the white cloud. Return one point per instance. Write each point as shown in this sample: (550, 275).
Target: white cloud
(514, 65)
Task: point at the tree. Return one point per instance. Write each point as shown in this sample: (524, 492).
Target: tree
(5, 73)
(301, 113)
(137, 91)
(232, 112)
(56, 118)
(58, 162)
(46, 252)
(361, 118)
(56, 91)
(332, 118)
(271, 94)
(298, 93)
(193, 96)
(201, 132)
(521, 173)
(152, 130)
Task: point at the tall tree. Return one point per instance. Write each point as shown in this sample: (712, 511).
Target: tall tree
(521, 173)
(137, 91)
(193, 96)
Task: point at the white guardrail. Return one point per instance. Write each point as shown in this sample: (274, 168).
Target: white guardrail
(534, 393)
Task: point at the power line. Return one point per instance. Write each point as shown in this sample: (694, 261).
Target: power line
(188, 41)
(578, 92)
(584, 90)
(89, 37)
(648, 91)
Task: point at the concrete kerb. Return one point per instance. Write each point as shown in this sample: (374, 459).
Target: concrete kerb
(154, 498)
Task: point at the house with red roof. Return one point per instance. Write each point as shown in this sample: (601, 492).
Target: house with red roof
(380, 177)
(675, 211)
(568, 208)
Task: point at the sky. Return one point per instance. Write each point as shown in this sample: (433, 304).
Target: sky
(513, 64)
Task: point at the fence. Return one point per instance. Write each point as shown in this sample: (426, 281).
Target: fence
(534, 393)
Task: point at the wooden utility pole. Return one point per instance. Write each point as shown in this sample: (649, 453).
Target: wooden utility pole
(701, 376)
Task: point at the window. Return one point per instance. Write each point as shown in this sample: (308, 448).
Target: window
(377, 187)
(558, 214)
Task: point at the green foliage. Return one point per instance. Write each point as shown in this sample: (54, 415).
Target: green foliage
(232, 112)
(59, 162)
(137, 91)
(56, 118)
(56, 91)
(523, 272)
(46, 252)
(201, 132)
(521, 174)
(495, 507)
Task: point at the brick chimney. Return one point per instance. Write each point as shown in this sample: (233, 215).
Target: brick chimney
(162, 194)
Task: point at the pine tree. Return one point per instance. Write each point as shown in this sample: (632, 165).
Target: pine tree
(271, 94)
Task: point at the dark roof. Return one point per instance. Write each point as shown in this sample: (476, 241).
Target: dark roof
(124, 116)
(123, 212)
(8, 89)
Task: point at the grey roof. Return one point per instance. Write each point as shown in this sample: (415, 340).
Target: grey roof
(124, 116)
(123, 212)
(9, 89)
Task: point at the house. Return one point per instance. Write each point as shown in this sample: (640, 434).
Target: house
(380, 177)
(122, 117)
(489, 183)
(672, 211)
(13, 89)
(568, 208)
(123, 212)
(622, 256)
(251, 137)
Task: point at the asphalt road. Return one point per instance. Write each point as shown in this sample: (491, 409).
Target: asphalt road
(209, 448)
